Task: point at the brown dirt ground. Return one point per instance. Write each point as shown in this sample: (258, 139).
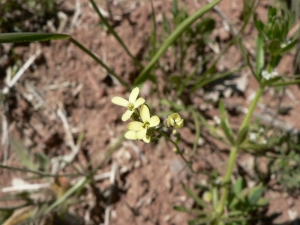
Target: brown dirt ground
(67, 79)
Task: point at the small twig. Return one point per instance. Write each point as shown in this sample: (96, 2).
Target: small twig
(5, 137)
(25, 187)
(21, 72)
(36, 94)
(77, 14)
(232, 28)
(107, 175)
(70, 141)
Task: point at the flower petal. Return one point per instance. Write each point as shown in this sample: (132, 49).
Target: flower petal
(141, 134)
(127, 115)
(119, 101)
(139, 102)
(131, 135)
(147, 139)
(133, 95)
(135, 126)
(154, 121)
(179, 124)
(145, 113)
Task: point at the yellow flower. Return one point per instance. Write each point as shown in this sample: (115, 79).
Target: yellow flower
(174, 120)
(138, 130)
(131, 104)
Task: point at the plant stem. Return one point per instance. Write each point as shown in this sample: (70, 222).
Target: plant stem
(112, 31)
(234, 151)
(177, 149)
(99, 61)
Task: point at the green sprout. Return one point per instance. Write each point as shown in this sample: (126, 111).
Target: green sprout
(132, 104)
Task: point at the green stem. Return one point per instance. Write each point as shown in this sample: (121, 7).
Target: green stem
(234, 151)
(112, 31)
(98, 60)
(177, 149)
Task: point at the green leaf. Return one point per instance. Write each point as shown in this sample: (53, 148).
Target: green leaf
(262, 202)
(259, 26)
(181, 209)
(23, 154)
(42, 160)
(30, 37)
(225, 123)
(272, 81)
(255, 194)
(242, 135)
(239, 185)
(166, 24)
(260, 58)
(80, 184)
(287, 47)
(196, 198)
(285, 83)
(246, 58)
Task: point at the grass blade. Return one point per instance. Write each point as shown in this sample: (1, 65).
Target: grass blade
(29, 37)
(98, 60)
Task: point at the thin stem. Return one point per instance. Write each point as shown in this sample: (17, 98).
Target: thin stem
(177, 149)
(98, 60)
(112, 31)
(234, 151)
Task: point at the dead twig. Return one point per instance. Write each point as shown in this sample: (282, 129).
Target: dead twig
(56, 165)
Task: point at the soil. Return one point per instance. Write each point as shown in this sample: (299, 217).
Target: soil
(63, 78)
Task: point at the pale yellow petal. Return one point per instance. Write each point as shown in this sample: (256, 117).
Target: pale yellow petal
(145, 113)
(141, 134)
(147, 139)
(119, 101)
(131, 135)
(135, 126)
(154, 121)
(133, 95)
(127, 115)
(139, 102)
(179, 124)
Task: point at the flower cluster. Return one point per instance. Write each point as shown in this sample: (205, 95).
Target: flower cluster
(144, 126)
(267, 76)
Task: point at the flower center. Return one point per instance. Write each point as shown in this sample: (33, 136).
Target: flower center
(130, 107)
(146, 125)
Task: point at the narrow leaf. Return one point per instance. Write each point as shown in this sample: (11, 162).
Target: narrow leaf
(196, 198)
(242, 135)
(30, 37)
(225, 123)
(260, 59)
(255, 194)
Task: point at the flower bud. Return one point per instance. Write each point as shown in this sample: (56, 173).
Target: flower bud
(174, 120)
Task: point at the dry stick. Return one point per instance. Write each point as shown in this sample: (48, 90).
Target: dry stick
(5, 137)
(112, 179)
(21, 71)
(70, 141)
(78, 12)
(25, 187)
(234, 31)
(5, 91)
